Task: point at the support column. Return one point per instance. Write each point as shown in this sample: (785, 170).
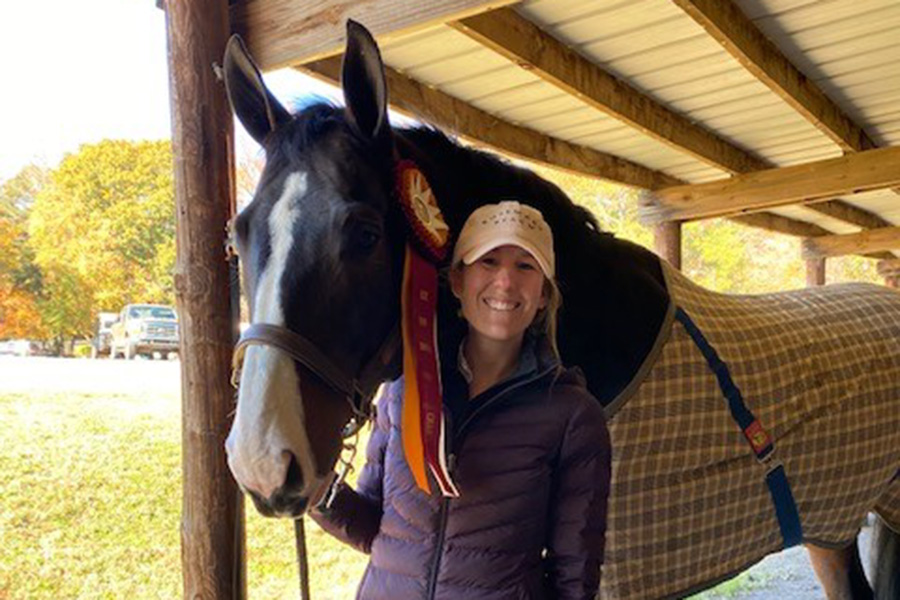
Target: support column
(212, 554)
(815, 272)
(667, 242)
(890, 270)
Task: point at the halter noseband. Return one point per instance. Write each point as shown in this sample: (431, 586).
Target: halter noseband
(358, 391)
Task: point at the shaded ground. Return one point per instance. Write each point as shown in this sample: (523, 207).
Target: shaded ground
(788, 575)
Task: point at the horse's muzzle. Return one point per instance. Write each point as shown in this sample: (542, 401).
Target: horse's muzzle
(287, 500)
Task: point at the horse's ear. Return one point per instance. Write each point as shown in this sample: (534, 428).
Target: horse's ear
(251, 101)
(365, 89)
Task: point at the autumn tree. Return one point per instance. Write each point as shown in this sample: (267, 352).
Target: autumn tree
(103, 232)
(20, 277)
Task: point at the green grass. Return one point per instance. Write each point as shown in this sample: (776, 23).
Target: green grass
(91, 504)
(745, 582)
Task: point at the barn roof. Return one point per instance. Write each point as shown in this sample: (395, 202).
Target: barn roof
(677, 97)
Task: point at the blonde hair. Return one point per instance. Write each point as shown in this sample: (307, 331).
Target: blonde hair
(545, 321)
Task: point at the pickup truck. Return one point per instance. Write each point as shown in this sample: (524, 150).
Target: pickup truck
(144, 329)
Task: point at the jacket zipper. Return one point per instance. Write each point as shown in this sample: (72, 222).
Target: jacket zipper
(457, 435)
(445, 502)
(439, 550)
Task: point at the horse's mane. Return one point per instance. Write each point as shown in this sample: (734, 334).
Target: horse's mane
(614, 298)
(489, 178)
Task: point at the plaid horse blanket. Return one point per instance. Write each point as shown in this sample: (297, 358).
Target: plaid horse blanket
(820, 370)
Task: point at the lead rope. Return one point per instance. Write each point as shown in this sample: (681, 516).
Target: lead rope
(302, 560)
(299, 530)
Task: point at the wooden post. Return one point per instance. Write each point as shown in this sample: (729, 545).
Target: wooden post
(202, 138)
(815, 272)
(667, 242)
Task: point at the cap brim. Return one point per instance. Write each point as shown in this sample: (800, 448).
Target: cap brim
(480, 250)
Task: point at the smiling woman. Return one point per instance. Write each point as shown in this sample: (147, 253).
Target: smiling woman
(528, 447)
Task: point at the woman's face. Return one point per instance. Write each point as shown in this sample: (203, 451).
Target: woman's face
(500, 293)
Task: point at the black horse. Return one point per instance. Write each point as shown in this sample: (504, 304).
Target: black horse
(321, 249)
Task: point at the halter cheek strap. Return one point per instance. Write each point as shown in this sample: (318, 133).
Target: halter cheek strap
(358, 391)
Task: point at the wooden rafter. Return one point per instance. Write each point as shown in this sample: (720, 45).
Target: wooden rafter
(282, 33)
(527, 45)
(530, 47)
(872, 240)
(413, 98)
(725, 22)
(852, 173)
(416, 100)
(848, 213)
(781, 224)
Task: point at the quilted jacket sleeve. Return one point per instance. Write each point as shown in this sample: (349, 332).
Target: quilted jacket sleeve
(577, 525)
(355, 515)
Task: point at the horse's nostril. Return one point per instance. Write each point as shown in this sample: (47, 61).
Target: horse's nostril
(294, 480)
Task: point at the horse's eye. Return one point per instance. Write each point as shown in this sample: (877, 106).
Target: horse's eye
(365, 238)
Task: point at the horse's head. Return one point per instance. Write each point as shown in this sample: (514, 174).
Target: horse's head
(320, 247)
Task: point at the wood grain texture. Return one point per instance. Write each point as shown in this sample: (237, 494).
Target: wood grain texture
(667, 242)
(837, 209)
(849, 174)
(527, 45)
(202, 138)
(283, 33)
(815, 272)
(420, 101)
(871, 240)
(724, 21)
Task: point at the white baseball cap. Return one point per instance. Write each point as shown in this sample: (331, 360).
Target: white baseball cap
(506, 223)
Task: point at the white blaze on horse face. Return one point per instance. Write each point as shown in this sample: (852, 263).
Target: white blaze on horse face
(269, 423)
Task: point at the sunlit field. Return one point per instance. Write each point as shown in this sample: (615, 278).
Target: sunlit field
(91, 505)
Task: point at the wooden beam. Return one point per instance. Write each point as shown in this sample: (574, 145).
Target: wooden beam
(725, 22)
(667, 242)
(872, 240)
(869, 170)
(780, 224)
(282, 33)
(527, 45)
(533, 49)
(889, 267)
(815, 272)
(202, 142)
(836, 209)
(413, 98)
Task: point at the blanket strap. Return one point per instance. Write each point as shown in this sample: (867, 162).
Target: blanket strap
(760, 441)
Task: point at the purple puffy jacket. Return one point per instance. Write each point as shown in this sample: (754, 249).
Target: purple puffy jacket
(532, 464)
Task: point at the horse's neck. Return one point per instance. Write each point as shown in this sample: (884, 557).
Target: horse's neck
(614, 296)
(614, 304)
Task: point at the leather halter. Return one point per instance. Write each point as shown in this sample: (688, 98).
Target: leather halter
(358, 391)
